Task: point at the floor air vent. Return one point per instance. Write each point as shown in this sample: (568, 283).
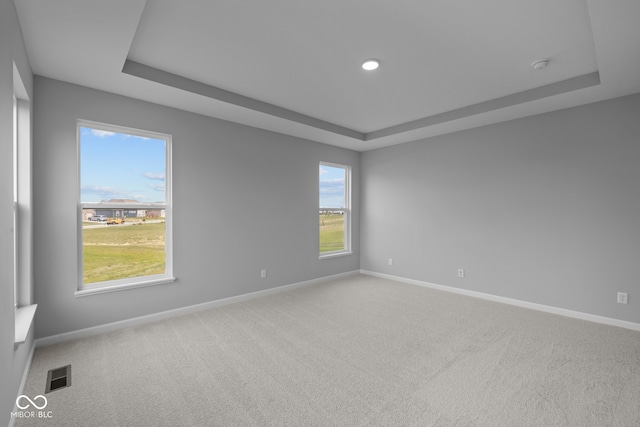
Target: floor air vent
(58, 378)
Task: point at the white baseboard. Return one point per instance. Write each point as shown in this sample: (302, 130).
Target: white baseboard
(531, 305)
(23, 381)
(109, 327)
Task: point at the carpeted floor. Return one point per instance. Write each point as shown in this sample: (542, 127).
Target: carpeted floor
(353, 352)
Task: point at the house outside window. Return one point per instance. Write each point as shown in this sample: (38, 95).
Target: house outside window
(124, 208)
(334, 209)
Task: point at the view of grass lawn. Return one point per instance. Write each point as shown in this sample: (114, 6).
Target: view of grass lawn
(123, 251)
(331, 232)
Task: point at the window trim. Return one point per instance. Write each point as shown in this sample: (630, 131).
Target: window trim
(132, 282)
(16, 221)
(24, 309)
(347, 212)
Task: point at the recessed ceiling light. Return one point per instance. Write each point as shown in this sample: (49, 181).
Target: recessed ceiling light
(370, 64)
(541, 64)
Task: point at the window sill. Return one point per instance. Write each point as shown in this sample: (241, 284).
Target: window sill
(335, 254)
(24, 320)
(123, 287)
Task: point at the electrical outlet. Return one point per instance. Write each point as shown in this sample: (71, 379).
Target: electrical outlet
(622, 298)
(460, 272)
(390, 261)
(263, 274)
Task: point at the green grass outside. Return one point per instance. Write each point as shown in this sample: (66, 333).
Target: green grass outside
(331, 233)
(119, 251)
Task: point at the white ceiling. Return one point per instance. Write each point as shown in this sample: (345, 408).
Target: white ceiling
(294, 67)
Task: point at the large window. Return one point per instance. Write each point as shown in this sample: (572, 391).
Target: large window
(22, 211)
(16, 255)
(22, 198)
(125, 207)
(335, 209)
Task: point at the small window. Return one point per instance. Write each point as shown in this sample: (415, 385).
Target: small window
(125, 207)
(335, 209)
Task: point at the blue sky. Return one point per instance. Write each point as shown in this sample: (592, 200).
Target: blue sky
(119, 166)
(331, 187)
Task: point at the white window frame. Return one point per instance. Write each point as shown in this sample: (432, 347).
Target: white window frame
(22, 226)
(22, 212)
(132, 282)
(16, 231)
(347, 212)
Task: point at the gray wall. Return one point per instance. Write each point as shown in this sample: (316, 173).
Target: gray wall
(12, 360)
(244, 199)
(544, 209)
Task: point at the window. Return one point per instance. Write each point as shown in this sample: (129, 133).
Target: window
(335, 209)
(15, 203)
(22, 208)
(124, 208)
(22, 198)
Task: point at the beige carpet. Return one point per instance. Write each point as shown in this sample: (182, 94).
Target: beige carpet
(355, 352)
